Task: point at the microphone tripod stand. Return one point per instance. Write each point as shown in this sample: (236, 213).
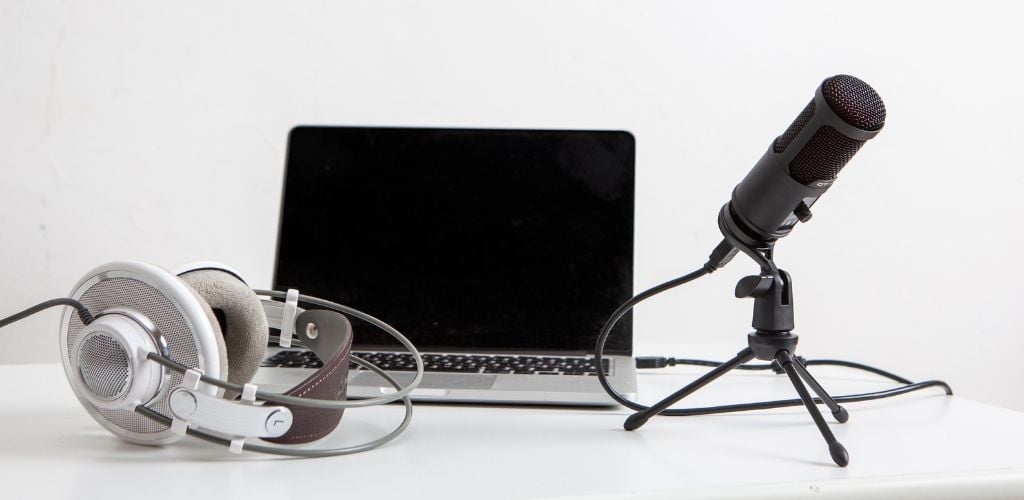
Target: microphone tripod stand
(771, 340)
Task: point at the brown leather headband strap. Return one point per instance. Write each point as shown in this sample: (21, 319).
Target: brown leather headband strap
(329, 335)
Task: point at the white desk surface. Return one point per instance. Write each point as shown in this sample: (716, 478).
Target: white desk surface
(922, 445)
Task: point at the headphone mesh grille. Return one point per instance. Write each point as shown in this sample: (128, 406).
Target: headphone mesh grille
(103, 364)
(144, 298)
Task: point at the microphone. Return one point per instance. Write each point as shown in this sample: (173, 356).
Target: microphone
(802, 163)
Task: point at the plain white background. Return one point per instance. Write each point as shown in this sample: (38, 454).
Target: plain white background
(156, 131)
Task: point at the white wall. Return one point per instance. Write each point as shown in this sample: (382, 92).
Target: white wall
(156, 131)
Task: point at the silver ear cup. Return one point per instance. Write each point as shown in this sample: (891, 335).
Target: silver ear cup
(108, 360)
(96, 360)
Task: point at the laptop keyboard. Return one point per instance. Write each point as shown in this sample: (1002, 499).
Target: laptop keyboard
(451, 363)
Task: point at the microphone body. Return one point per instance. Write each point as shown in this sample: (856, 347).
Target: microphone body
(803, 162)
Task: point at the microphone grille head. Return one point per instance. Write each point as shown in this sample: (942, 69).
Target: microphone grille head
(783, 141)
(854, 101)
(823, 156)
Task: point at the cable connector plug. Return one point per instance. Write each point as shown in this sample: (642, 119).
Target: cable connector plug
(720, 256)
(647, 362)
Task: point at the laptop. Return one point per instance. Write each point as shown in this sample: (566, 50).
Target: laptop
(499, 253)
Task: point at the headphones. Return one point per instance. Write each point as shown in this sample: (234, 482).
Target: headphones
(154, 355)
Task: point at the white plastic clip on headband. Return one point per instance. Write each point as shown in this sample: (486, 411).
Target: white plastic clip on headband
(249, 398)
(291, 306)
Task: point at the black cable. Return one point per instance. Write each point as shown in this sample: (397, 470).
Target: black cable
(647, 362)
(602, 338)
(860, 366)
(785, 403)
(708, 268)
(83, 312)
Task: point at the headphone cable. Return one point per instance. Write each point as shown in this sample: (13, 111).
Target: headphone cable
(83, 312)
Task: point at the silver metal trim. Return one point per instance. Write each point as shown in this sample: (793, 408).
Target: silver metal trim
(143, 321)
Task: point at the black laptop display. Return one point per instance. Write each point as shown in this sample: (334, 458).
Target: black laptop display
(464, 240)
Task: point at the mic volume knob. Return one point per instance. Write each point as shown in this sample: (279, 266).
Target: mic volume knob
(753, 286)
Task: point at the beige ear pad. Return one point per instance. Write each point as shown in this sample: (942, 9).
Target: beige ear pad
(218, 337)
(237, 310)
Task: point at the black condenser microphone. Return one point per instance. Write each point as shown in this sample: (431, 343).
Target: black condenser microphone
(803, 162)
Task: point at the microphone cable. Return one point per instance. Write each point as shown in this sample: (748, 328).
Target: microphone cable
(708, 268)
(649, 362)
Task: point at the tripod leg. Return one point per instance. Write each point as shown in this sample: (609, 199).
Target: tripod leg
(838, 452)
(838, 412)
(641, 417)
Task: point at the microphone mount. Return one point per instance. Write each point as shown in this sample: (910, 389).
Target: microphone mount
(772, 340)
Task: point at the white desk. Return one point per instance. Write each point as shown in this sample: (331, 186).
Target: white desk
(921, 445)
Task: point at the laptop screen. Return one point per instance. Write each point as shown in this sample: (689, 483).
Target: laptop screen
(465, 240)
